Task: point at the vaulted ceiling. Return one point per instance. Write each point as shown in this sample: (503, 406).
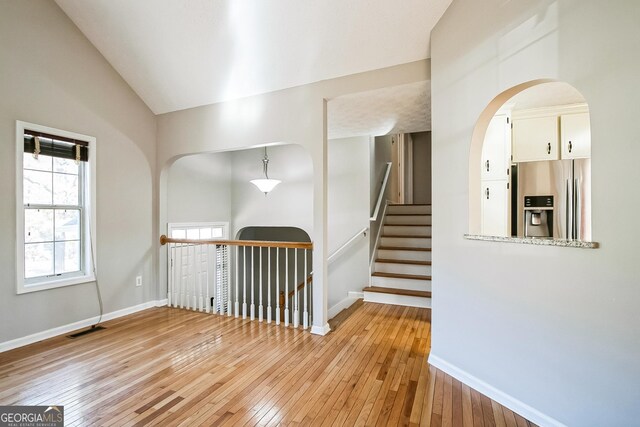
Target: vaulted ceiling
(179, 54)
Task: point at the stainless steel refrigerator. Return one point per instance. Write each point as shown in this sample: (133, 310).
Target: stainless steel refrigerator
(569, 181)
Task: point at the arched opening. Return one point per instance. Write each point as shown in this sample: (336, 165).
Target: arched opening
(530, 165)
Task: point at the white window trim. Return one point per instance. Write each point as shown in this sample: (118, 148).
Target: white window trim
(89, 220)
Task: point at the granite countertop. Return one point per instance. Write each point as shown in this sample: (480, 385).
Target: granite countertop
(535, 241)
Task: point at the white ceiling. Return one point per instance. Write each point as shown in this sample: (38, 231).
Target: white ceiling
(544, 95)
(405, 108)
(178, 54)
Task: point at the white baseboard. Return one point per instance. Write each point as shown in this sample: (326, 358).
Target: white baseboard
(61, 330)
(345, 303)
(320, 330)
(499, 396)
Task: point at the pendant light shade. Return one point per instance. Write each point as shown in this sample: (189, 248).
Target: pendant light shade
(265, 184)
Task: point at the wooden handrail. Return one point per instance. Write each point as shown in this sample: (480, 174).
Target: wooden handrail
(301, 285)
(257, 243)
(383, 186)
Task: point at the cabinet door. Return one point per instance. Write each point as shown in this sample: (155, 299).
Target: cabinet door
(535, 139)
(496, 149)
(575, 131)
(495, 208)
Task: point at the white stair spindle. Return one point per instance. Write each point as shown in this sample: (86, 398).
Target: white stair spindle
(170, 275)
(296, 312)
(244, 285)
(229, 304)
(269, 285)
(202, 276)
(180, 296)
(278, 286)
(252, 310)
(237, 305)
(305, 314)
(260, 292)
(286, 287)
(208, 307)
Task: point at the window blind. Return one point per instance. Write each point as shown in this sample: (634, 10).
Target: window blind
(56, 146)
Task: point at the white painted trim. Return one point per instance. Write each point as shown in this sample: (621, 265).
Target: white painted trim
(320, 330)
(557, 110)
(374, 216)
(499, 396)
(345, 303)
(61, 330)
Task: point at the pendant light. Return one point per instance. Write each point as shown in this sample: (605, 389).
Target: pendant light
(265, 184)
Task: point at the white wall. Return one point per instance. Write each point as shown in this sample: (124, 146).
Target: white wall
(199, 189)
(290, 204)
(556, 329)
(349, 201)
(51, 75)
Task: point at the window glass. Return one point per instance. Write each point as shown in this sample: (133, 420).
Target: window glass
(38, 187)
(67, 224)
(65, 189)
(38, 225)
(38, 260)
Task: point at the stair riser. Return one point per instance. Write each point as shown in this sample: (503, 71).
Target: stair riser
(385, 267)
(392, 282)
(411, 242)
(404, 230)
(404, 255)
(409, 209)
(408, 219)
(405, 300)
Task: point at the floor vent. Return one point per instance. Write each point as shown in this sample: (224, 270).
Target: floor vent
(86, 331)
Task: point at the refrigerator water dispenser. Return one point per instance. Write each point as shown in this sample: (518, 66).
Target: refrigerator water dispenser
(538, 216)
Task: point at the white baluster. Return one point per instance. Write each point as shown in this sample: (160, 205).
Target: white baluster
(269, 285)
(260, 292)
(244, 285)
(202, 277)
(237, 305)
(296, 311)
(179, 294)
(193, 300)
(227, 253)
(252, 311)
(208, 307)
(286, 288)
(277, 286)
(212, 297)
(305, 315)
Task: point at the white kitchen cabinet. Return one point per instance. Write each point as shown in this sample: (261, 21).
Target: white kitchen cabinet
(496, 149)
(575, 136)
(535, 139)
(495, 208)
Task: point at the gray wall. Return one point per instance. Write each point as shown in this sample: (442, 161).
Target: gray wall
(199, 189)
(349, 201)
(555, 328)
(421, 167)
(51, 75)
(380, 154)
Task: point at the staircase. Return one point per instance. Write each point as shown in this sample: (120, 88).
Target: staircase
(402, 272)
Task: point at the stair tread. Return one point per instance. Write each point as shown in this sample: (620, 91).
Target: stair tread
(402, 261)
(408, 214)
(394, 291)
(403, 248)
(402, 276)
(407, 225)
(408, 204)
(405, 236)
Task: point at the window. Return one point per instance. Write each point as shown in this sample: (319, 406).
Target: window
(55, 193)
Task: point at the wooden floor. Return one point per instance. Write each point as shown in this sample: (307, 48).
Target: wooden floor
(173, 367)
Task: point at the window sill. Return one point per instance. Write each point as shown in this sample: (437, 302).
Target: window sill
(52, 284)
(536, 241)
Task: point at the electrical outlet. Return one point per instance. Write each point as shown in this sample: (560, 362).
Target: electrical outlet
(139, 281)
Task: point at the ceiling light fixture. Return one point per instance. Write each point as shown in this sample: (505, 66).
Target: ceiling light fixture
(265, 184)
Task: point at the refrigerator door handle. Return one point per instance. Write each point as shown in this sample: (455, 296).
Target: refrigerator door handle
(577, 210)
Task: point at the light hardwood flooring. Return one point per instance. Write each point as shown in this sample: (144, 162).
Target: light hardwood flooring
(169, 366)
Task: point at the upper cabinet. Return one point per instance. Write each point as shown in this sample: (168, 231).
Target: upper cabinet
(552, 133)
(496, 150)
(535, 139)
(575, 130)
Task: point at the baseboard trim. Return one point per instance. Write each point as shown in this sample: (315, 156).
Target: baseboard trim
(499, 396)
(320, 330)
(61, 330)
(345, 303)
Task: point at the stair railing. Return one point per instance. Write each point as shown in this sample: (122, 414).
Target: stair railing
(200, 278)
